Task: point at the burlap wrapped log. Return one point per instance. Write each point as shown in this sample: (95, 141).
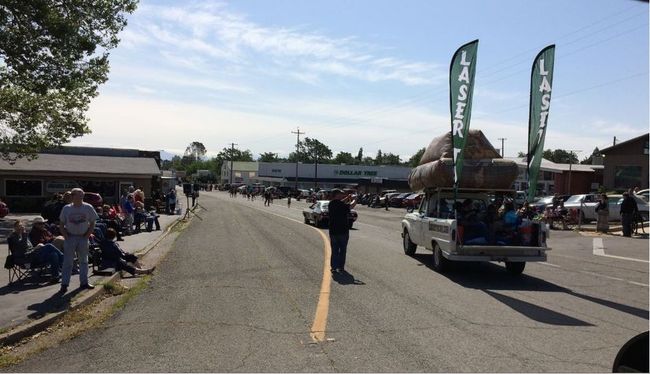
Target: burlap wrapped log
(477, 148)
(486, 174)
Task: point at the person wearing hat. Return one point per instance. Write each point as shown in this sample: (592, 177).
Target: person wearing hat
(40, 234)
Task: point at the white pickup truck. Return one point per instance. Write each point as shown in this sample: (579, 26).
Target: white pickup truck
(434, 227)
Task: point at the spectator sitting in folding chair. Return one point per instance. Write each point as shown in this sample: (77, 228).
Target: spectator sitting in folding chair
(23, 252)
(41, 234)
(114, 257)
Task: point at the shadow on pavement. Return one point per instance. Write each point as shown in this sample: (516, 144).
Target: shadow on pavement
(55, 303)
(537, 313)
(346, 278)
(24, 285)
(487, 276)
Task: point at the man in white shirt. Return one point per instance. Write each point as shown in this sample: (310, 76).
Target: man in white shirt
(77, 223)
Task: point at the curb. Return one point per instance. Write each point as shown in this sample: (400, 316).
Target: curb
(162, 236)
(31, 328)
(22, 331)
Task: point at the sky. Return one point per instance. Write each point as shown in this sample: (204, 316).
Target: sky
(368, 73)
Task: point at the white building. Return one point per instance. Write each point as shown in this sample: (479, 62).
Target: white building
(324, 176)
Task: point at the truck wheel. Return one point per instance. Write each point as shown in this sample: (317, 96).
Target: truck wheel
(409, 246)
(440, 263)
(306, 220)
(515, 268)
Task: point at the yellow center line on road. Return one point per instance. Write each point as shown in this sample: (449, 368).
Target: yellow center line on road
(323, 306)
(319, 326)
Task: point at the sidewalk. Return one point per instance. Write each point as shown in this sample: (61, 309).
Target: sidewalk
(23, 303)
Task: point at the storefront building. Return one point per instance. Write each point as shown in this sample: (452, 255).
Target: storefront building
(326, 176)
(626, 164)
(26, 185)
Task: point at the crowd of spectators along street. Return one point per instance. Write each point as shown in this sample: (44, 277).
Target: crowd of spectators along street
(68, 226)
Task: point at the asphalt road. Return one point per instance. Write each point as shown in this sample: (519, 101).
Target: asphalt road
(239, 292)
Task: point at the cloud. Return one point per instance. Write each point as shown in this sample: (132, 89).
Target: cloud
(214, 32)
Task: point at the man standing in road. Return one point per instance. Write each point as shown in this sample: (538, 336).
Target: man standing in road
(339, 227)
(288, 201)
(77, 222)
(629, 209)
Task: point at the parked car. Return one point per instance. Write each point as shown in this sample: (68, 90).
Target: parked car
(412, 201)
(615, 207)
(93, 199)
(396, 200)
(382, 199)
(586, 204)
(319, 215)
(541, 203)
(323, 195)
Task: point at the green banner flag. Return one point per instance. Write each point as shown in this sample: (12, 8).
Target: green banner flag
(461, 88)
(541, 83)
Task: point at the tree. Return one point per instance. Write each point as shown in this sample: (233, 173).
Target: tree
(195, 151)
(368, 161)
(54, 56)
(560, 156)
(359, 157)
(344, 158)
(310, 151)
(521, 154)
(379, 159)
(589, 160)
(235, 154)
(415, 159)
(268, 157)
(391, 159)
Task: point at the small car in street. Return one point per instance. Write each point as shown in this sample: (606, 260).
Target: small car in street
(319, 215)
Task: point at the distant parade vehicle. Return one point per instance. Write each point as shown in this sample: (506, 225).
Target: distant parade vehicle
(319, 215)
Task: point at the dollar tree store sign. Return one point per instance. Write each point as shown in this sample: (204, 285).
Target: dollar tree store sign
(356, 173)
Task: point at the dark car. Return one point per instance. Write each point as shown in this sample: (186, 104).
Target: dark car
(396, 200)
(318, 214)
(412, 201)
(93, 199)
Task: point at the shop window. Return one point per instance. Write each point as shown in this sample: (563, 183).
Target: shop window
(627, 176)
(23, 187)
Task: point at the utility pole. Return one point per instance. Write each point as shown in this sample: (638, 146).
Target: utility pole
(571, 152)
(232, 154)
(315, 170)
(503, 152)
(298, 133)
(614, 140)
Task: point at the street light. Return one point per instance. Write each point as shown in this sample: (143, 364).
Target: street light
(571, 152)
